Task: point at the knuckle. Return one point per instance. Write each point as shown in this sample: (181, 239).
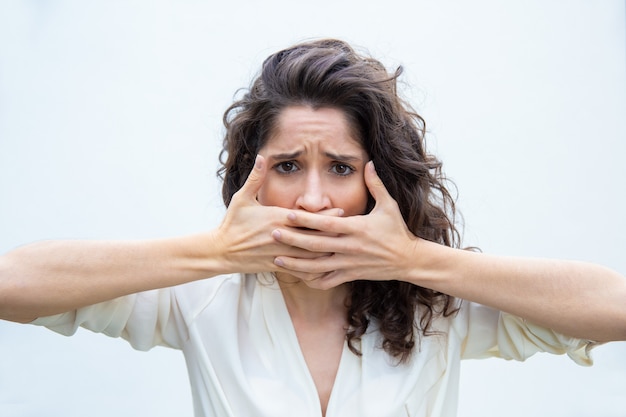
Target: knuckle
(317, 246)
(327, 224)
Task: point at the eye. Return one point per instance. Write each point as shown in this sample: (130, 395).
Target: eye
(286, 167)
(342, 169)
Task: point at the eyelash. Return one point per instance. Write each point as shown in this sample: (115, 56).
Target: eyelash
(293, 167)
(344, 166)
(279, 167)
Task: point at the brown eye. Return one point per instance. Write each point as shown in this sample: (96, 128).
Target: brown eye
(285, 167)
(342, 169)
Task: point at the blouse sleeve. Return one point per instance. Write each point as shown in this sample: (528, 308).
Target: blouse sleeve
(486, 332)
(145, 319)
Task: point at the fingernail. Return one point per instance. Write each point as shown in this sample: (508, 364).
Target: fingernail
(257, 162)
(291, 216)
(278, 262)
(276, 234)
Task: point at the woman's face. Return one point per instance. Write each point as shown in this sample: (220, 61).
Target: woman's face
(315, 163)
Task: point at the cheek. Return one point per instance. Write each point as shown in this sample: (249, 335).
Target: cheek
(352, 198)
(271, 194)
(264, 196)
(354, 201)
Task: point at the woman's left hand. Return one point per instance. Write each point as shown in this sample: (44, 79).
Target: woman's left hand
(379, 246)
(375, 246)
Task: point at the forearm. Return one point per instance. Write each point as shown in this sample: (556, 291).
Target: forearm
(575, 298)
(56, 276)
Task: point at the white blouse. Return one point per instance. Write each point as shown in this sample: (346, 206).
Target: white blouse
(244, 359)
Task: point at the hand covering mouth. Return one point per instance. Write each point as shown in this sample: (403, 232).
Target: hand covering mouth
(307, 231)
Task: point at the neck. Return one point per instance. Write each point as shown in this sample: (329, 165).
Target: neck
(310, 304)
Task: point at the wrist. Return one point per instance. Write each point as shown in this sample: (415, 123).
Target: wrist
(204, 255)
(431, 264)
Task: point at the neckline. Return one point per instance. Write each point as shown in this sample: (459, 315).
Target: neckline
(281, 328)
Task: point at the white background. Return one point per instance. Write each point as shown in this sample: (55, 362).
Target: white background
(110, 125)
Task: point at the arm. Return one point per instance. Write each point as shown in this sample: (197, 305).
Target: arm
(53, 277)
(57, 276)
(578, 299)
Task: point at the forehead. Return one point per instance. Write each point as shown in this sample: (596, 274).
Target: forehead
(322, 126)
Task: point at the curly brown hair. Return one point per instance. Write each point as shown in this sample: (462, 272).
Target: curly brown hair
(330, 73)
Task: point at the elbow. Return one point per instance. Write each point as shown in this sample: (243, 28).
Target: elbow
(12, 310)
(12, 295)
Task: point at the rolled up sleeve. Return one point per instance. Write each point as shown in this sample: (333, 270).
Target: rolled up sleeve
(492, 333)
(145, 319)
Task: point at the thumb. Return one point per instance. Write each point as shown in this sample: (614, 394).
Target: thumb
(375, 184)
(255, 179)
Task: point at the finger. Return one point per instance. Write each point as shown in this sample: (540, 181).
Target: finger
(318, 278)
(294, 252)
(335, 212)
(375, 184)
(312, 241)
(326, 281)
(306, 267)
(326, 222)
(255, 179)
(322, 281)
(300, 240)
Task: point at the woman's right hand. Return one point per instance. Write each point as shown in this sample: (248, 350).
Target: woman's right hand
(50, 277)
(244, 237)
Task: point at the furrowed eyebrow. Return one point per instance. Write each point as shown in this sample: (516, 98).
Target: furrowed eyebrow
(329, 155)
(281, 156)
(338, 157)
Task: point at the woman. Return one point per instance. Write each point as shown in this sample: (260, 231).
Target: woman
(333, 285)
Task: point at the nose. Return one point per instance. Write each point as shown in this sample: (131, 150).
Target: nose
(313, 197)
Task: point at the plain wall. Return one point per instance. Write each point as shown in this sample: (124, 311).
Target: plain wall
(110, 126)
